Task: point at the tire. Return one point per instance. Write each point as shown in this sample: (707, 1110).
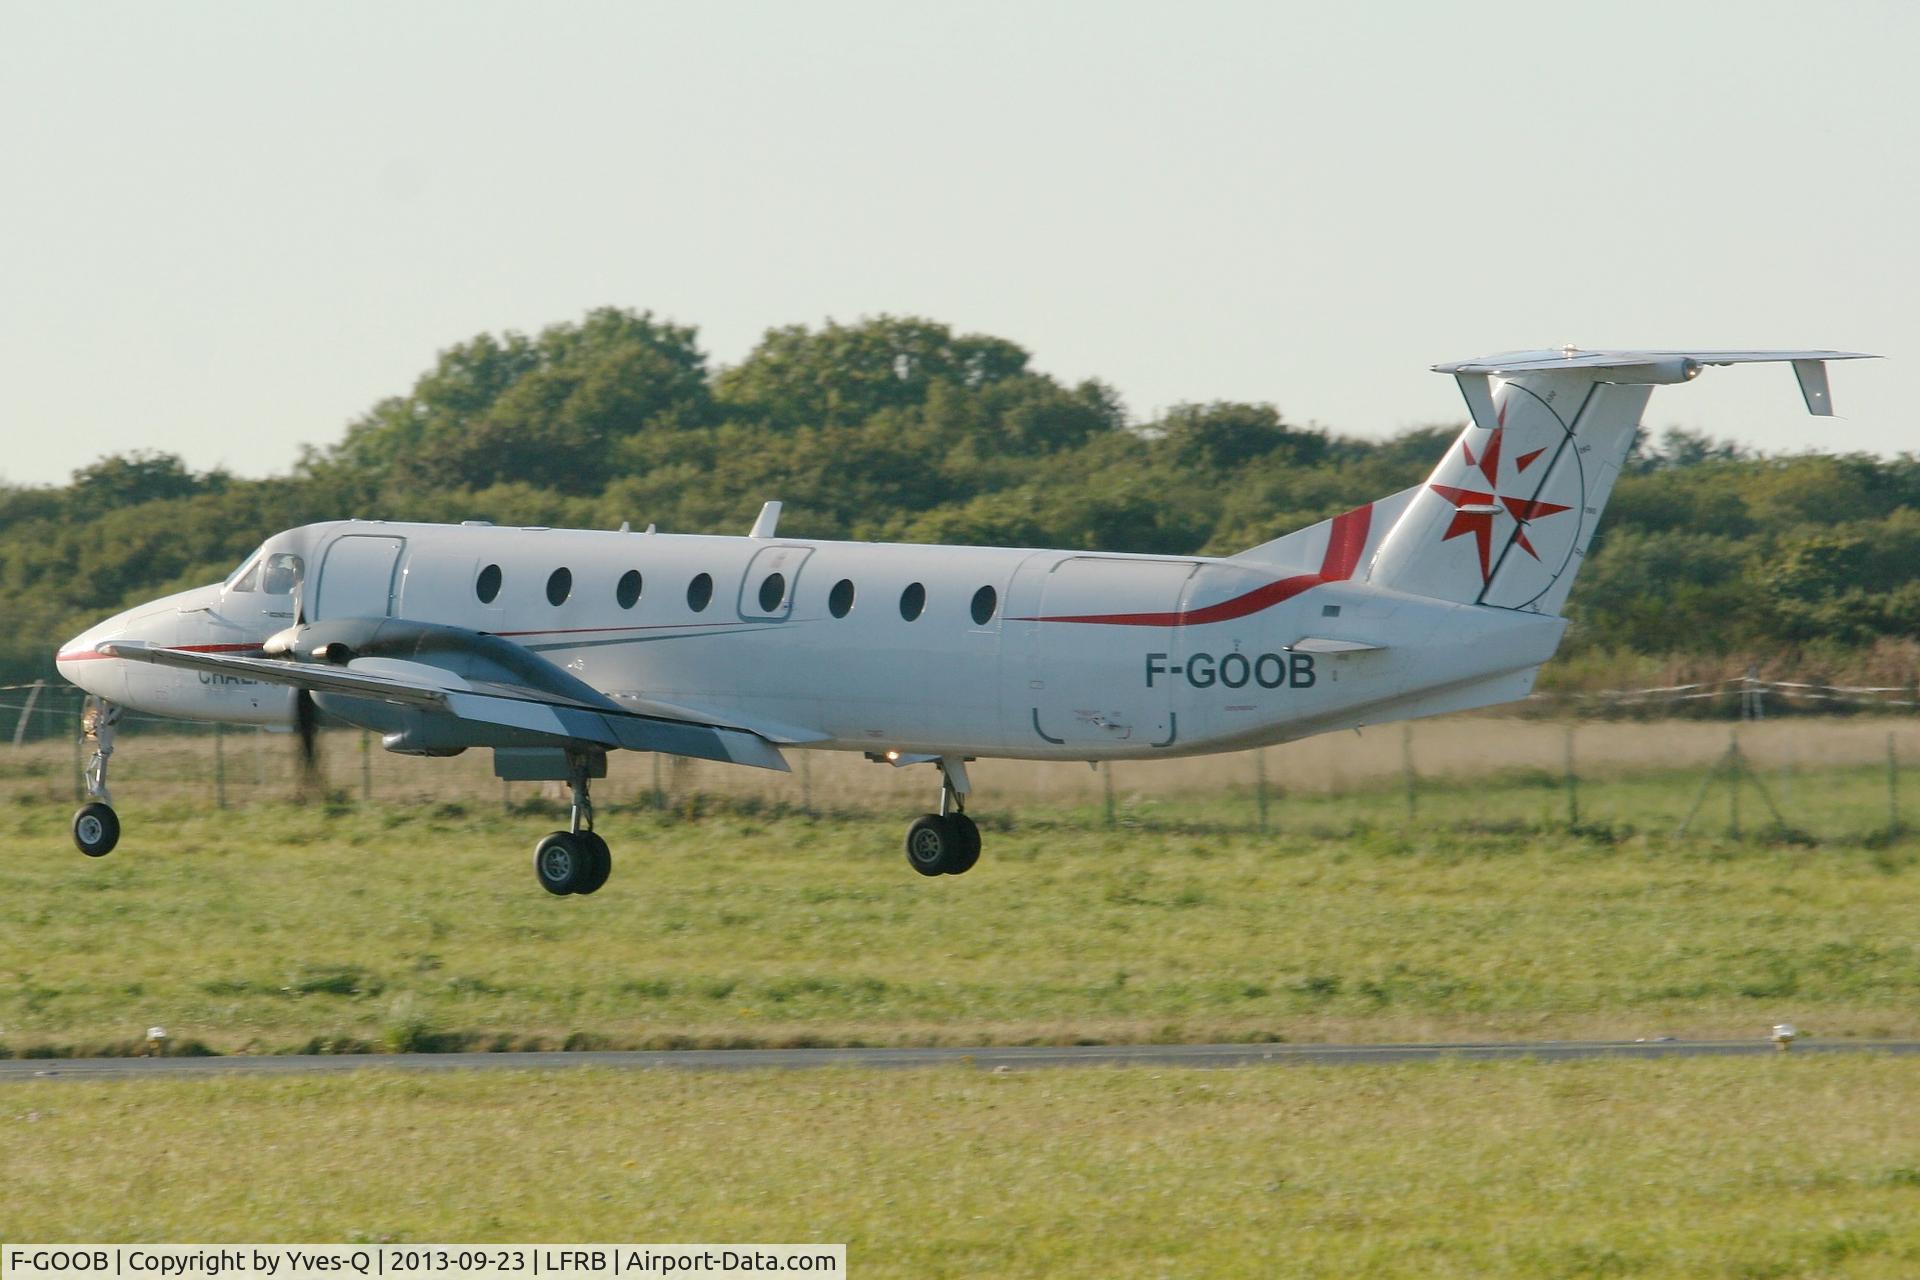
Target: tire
(933, 845)
(96, 829)
(969, 851)
(561, 863)
(601, 866)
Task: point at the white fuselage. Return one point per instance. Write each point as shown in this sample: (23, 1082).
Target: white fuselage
(1073, 655)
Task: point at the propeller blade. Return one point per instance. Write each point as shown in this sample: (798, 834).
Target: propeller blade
(306, 723)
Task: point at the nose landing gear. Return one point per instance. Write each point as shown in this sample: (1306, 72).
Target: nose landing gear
(946, 843)
(96, 828)
(576, 860)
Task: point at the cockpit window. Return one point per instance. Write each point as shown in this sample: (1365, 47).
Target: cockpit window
(246, 577)
(285, 571)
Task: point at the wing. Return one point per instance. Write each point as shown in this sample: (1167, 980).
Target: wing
(438, 691)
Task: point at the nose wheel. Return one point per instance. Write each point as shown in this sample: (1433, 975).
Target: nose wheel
(96, 827)
(946, 843)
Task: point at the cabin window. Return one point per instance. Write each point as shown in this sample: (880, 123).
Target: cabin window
(840, 599)
(772, 592)
(984, 602)
(487, 585)
(700, 592)
(285, 572)
(559, 586)
(627, 593)
(913, 601)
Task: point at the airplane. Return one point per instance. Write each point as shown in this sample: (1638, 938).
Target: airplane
(554, 647)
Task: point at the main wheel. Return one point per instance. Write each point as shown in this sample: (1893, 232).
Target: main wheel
(601, 866)
(96, 829)
(934, 845)
(969, 835)
(562, 862)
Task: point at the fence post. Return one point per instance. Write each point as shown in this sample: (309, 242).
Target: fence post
(1733, 783)
(1106, 772)
(26, 713)
(1573, 784)
(1260, 785)
(219, 765)
(1406, 765)
(366, 765)
(806, 782)
(659, 792)
(1893, 789)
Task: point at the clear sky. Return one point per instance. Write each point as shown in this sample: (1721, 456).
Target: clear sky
(227, 229)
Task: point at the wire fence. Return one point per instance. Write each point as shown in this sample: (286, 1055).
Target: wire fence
(1792, 759)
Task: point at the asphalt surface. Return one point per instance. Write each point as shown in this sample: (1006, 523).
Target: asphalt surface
(991, 1059)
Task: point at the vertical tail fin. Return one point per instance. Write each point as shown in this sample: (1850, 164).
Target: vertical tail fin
(1506, 516)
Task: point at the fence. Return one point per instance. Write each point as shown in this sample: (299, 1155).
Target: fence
(1588, 766)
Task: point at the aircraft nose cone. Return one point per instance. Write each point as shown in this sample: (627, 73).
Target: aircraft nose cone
(80, 661)
(77, 650)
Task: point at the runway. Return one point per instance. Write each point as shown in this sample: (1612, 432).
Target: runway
(1016, 1058)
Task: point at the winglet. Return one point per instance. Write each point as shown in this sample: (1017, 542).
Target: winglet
(1475, 389)
(1813, 386)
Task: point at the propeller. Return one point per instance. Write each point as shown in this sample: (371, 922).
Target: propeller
(306, 716)
(306, 722)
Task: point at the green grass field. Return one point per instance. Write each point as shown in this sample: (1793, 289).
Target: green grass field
(1758, 1167)
(390, 926)
(414, 923)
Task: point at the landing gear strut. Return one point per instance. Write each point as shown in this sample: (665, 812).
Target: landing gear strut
(575, 860)
(96, 828)
(946, 843)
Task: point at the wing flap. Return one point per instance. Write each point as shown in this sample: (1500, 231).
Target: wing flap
(786, 735)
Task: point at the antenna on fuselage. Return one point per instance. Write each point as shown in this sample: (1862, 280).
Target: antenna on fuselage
(769, 519)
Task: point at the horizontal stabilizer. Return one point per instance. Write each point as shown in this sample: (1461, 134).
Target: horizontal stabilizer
(1647, 368)
(1574, 358)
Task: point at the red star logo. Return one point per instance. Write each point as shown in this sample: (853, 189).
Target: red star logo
(1474, 510)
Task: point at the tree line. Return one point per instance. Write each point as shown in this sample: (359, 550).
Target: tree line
(899, 428)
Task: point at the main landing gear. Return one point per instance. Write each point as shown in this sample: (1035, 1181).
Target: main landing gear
(946, 843)
(96, 828)
(575, 860)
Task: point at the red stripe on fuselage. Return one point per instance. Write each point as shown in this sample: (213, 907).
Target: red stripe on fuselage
(1346, 542)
